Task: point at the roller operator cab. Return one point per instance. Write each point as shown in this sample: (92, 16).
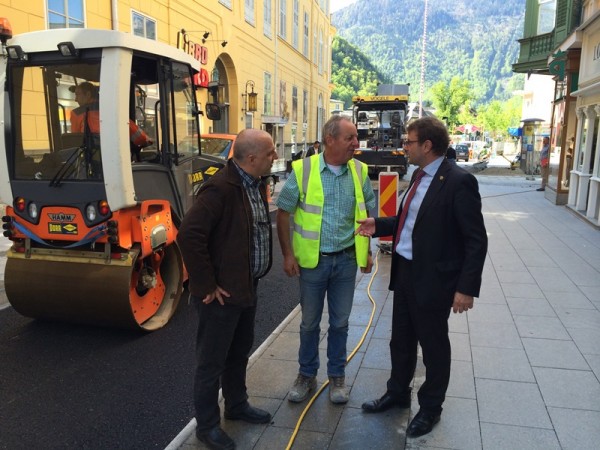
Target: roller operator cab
(96, 182)
(381, 125)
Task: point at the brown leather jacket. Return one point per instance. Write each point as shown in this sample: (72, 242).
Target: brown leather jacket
(215, 238)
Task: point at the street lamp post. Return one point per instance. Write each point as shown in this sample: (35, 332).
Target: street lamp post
(250, 98)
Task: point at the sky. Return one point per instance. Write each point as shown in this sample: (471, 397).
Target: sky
(339, 4)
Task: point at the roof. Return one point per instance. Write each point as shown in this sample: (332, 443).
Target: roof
(87, 38)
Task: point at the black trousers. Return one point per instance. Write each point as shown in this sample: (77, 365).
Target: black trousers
(225, 338)
(412, 325)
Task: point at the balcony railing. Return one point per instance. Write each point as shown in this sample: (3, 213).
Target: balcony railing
(539, 46)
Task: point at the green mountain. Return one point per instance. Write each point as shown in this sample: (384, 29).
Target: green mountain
(352, 72)
(476, 41)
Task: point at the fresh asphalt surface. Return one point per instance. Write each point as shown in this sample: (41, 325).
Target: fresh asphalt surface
(65, 386)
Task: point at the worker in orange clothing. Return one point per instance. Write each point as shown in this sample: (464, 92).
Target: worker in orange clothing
(86, 94)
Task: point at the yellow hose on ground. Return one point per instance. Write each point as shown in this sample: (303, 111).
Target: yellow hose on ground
(360, 343)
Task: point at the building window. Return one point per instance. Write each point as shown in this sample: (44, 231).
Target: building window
(249, 11)
(225, 3)
(282, 18)
(314, 55)
(305, 108)
(268, 89)
(65, 14)
(546, 16)
(320, 51)
(143, 26)
(294, 104)
(305, 44)
(295, 26)
(283, 106)
(267, 19)
(249, 120)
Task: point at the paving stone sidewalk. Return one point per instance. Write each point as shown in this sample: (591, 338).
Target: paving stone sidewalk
(525, 361)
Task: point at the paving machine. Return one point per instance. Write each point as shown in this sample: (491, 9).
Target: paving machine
(381, 125)
(92, 215)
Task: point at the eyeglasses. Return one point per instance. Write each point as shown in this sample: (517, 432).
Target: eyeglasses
(409, 142)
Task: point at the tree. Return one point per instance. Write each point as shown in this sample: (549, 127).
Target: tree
(450, 98)
(498, 116)
(352, 72)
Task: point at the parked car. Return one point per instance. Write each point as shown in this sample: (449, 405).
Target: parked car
(462, 152)
(222, 145)
(218, 144)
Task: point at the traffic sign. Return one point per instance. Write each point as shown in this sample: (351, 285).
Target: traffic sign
(388, 198)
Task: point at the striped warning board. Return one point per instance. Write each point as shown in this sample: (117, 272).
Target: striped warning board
(388, 197)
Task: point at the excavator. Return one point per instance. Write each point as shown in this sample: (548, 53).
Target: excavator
(92, 214)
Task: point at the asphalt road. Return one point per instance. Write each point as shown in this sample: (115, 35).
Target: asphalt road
(65, 386)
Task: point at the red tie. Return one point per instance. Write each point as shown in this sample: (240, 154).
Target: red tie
(409, 197)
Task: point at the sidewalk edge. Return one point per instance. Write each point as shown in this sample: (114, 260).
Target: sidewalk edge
(188, 430)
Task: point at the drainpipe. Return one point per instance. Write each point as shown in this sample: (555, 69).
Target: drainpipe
(114, 14)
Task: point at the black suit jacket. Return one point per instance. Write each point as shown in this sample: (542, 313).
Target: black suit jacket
(449, 239)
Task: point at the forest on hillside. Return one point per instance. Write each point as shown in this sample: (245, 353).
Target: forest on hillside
(476, 41)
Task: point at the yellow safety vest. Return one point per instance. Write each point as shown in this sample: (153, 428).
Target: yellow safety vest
(306, 236)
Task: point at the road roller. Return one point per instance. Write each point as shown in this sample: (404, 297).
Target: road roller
(100, 159)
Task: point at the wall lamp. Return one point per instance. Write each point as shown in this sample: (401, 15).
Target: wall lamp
(250, 98)
(67, 49)
(16, 52)
(223, 43)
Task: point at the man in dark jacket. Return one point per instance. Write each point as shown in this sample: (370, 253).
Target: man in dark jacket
(440, 244)
(314, 149)
(226, 243)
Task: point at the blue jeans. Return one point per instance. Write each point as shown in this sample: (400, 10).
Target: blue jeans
(336, 276)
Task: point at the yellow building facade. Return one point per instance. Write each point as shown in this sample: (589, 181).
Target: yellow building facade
(265, 63)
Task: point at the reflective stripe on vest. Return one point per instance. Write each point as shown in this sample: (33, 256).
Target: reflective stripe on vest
(306, 236)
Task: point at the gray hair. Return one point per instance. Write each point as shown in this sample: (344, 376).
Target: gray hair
(332, 126)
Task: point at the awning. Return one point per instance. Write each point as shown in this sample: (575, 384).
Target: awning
(273, 119)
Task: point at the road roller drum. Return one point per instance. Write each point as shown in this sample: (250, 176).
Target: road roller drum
(96, 291)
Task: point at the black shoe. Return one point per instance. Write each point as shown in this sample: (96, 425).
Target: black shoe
(386, 402)
(422, 423)
(216, 439)
(540, 189)
(249, 414)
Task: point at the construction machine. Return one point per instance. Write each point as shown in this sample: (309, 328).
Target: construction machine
(381, 125)
(91, 213)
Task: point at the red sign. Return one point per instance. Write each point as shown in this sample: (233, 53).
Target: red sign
(201, 78)
(198, 52)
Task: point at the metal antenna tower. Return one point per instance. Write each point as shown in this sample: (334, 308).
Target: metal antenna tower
(422, 88)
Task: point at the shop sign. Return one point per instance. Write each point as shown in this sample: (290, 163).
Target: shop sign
(198, 52)
(558, 64)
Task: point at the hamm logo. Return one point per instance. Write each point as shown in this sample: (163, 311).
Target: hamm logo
(61, 217)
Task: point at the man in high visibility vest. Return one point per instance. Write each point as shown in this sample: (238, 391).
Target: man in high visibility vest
(86, 94)
(327, 193)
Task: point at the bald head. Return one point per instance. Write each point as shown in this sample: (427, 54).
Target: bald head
(254, 152)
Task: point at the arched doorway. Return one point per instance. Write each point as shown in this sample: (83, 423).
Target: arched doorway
(220, 96)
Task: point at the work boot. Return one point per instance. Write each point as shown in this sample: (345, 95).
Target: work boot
(302, 386)
(338, 393)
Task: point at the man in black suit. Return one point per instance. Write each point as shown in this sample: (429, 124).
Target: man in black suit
(314, 149)
(440, 244)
